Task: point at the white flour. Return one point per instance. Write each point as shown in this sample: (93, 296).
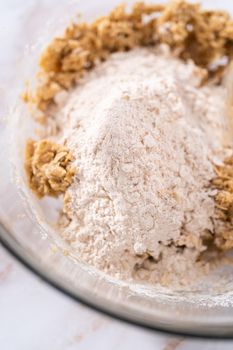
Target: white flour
(143, 135)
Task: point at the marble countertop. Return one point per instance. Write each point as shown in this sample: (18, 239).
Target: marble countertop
(32, 314)
(35, 316)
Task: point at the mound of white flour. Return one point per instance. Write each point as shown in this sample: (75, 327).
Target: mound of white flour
(143, 134)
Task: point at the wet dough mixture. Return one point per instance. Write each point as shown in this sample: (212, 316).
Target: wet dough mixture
(135, 143)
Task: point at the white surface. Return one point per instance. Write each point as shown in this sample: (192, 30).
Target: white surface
(35, 316)
(32, 314)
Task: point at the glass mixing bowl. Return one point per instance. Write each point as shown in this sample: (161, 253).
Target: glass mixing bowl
(30, 237)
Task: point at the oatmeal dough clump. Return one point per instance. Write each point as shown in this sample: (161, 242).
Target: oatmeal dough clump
(224, 203)
(204, 36)
(48, 167)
